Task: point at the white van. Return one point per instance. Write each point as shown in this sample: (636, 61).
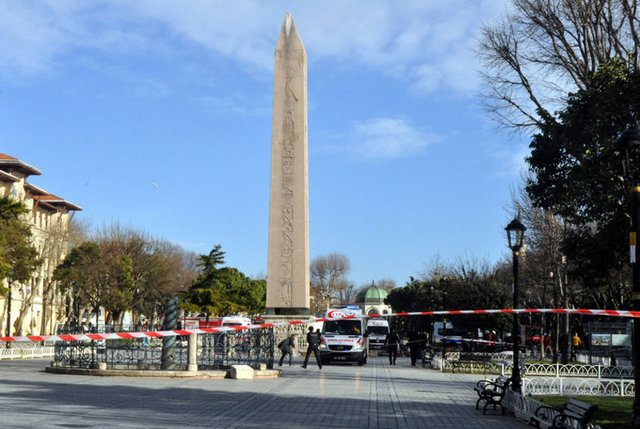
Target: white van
(453, 335)
(377, 330)
(344, 340)
(235, 321)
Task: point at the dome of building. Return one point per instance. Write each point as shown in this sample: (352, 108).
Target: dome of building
(371, 295)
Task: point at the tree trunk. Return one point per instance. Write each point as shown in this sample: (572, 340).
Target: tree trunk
(24, 309)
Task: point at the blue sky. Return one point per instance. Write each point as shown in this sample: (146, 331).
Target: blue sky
(108, 98)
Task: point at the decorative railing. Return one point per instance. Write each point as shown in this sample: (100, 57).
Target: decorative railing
(36, 352)
(214, 351)
(531, 369)
(226, 349)
(585, 371)
(577, 386)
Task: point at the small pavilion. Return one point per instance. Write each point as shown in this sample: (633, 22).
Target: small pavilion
(371, 300)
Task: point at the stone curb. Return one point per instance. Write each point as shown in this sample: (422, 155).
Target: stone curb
(273, 373)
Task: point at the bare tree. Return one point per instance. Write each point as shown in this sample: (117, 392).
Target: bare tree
(545, 49)
(159, 267)
(328, 280)
(545, 268)
(386, 284)
(345, 292)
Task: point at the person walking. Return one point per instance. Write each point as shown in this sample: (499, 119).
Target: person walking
(414, 346)
(286, 346)
(392, 342)
(576, 344)
(313, 341)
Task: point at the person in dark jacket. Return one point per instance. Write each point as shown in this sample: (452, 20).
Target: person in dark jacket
(313, 341)
(414, 346)
(392, 342)
(286, 346)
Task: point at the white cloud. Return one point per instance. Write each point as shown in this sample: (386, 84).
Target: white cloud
(426, 42)
(384, 139)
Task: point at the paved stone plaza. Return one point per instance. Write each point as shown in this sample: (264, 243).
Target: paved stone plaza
(338, 396)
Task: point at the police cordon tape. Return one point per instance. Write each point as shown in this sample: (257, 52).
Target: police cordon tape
(179, 332)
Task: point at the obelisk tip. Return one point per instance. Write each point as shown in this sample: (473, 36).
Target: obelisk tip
(287, 23)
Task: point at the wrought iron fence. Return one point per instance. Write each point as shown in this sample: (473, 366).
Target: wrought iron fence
(222, 350)
(215, 351)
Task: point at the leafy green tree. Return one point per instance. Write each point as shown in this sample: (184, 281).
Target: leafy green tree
(19, 258)
(577, 173)
(222, 291)
(155, 269)
(82, 274)
(452, 293)
(97, 279)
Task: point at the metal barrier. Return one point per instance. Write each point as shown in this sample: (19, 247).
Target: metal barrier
(577, 386)
(214, 351)
(38, 352)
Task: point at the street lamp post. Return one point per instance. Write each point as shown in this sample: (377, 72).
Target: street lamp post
(515, 236)
(443, 284)
(630, 140)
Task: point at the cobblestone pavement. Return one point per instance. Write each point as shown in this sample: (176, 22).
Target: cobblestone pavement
(338, 396)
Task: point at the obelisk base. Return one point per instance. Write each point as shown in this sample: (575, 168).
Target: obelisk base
(303, 312)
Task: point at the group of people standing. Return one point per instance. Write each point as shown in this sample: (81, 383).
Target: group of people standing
(417, 341)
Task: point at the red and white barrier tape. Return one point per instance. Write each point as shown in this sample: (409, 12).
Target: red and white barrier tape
(177, 332)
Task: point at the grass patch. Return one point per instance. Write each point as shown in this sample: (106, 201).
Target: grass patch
(613, 411)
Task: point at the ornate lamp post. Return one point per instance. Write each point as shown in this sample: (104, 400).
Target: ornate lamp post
(515, 236)
(444, 283)
(630, 140)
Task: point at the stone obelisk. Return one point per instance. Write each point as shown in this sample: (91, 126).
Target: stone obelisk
(288, 260)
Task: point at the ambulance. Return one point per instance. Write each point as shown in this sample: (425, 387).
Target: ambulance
(377, 330)
(344, 340)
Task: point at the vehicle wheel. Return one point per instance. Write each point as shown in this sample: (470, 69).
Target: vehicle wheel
(360, 362)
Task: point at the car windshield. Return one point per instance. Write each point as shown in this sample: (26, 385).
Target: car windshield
(342, 327)
(377, 330)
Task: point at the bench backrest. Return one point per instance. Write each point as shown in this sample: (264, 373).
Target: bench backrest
(581, 409)
(502, 381)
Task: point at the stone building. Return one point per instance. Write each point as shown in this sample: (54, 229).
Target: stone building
(39, 303)
(371, 300)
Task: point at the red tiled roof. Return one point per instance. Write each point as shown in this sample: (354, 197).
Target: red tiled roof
(39, 194)
(52, 199)
(9, 161)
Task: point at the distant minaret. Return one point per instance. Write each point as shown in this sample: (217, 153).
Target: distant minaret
(288, 261)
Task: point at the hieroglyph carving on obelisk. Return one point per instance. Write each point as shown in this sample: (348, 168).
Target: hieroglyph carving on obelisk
(288, 259)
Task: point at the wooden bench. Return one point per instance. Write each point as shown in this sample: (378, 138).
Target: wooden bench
(492, 392)
(574, 414)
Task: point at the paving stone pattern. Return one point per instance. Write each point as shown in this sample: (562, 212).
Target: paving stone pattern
(338, 396)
